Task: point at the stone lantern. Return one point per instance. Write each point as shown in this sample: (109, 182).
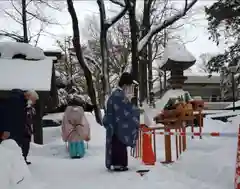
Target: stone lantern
(177, 59)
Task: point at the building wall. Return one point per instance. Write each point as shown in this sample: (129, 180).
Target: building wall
(208, 92)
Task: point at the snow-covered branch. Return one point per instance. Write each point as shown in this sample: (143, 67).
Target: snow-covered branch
(93, 61)
(118, 2)
(113, 20)
(155, 29)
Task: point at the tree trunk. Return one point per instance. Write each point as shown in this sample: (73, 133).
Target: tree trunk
(134, 42)
(105, 65)
(78, 50)
(24, 22)
(104, 49)
(145, 63)
(150, 75)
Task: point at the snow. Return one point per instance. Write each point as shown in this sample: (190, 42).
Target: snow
(225, 114)
(25, 74)
(172, 93)
(9, 49)
(13, 168)
(176, 52)
(208, 163)
(237, 104)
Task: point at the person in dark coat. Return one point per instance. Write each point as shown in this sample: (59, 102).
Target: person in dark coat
(4, 130)
(20, 114)
(121, 121)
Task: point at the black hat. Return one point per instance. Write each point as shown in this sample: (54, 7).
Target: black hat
(126, 79)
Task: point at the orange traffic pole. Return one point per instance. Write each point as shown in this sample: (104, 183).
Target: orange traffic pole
(180, 142)
(200, 124)
(176, 140)
(148, 156)
(192, 128)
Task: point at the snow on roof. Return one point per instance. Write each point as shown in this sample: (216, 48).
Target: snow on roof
(176, 52)
(9, 49)
(25, 74)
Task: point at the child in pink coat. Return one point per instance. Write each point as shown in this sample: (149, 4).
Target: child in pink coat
(75, 129)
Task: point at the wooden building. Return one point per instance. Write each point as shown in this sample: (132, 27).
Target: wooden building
(25, 67)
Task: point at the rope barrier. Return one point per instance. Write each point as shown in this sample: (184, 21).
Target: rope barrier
(212, 134)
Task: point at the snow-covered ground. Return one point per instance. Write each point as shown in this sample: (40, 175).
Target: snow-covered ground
(207, 164)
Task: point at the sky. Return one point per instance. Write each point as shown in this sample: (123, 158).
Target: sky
(193, 32)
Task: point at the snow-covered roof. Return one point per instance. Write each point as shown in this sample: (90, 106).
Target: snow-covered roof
(9, 49)
(176, 52)
(25, 74)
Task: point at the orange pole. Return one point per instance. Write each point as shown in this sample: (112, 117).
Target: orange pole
(168, 148)
(176, 140)
(180, 143)
(184, 138)
(192, 128)
(200, 124)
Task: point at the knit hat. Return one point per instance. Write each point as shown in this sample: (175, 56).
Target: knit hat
(126, 79)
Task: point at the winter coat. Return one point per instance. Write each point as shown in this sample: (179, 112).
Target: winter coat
(75, 126)
(121, 119)
(3, 117)
(16, 115)
(30, 112)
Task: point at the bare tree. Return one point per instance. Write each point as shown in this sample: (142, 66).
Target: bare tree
(119, 49)
(81, 60)
(203, 64)
(145, 35)
(166, 23)
(26, 12)
(105, 25)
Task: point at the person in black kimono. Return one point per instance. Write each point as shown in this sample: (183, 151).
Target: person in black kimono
(121, 121)
(19, 118)
(28, 131)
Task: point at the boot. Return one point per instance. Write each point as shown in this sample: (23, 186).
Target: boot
(27, 162)
(120, 168)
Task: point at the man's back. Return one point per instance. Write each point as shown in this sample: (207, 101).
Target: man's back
(16, 114)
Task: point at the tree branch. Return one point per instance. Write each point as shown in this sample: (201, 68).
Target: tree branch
(112, 21)
(154, 30)
(117, 2)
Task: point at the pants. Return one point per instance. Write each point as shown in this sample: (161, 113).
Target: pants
(119, 153)
(76, 149)
(25, 146)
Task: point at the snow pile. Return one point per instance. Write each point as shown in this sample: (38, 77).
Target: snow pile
(207, 164)
(25, 75)
(9, 49)
(224, 114)
(172, 93)
(230, 106)
(14, 170)
(177, 52)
